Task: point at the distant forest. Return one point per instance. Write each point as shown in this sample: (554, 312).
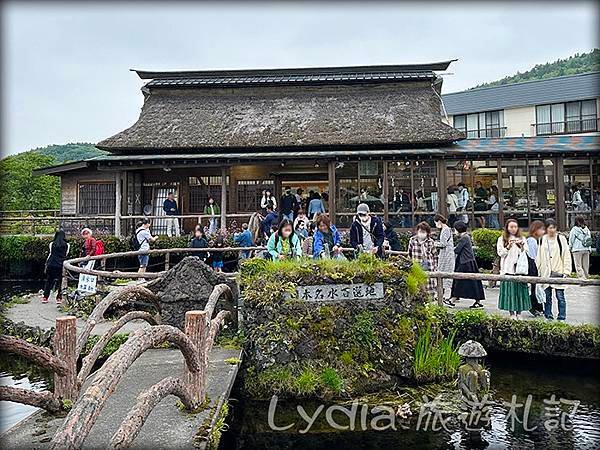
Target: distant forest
(21, 190)
(578, 63)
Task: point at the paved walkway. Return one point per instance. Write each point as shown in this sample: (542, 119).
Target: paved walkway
(43, 315)
(166, 427)
(583, 304)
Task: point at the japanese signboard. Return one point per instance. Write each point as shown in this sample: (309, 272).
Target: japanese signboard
(87, 283)
(334, 292)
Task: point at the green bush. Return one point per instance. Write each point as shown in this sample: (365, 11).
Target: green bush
(485, 241)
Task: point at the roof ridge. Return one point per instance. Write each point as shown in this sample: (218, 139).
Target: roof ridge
(439, 66)
(520, 83)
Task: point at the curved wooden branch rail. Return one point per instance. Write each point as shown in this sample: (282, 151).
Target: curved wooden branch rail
(124, 294)
(215, 325)
(145, 403)
(42, 399)
(77, 425)
(39, 355)
(215, 295)
(88, 362)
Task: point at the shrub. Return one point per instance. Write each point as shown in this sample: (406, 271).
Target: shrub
(485, 241)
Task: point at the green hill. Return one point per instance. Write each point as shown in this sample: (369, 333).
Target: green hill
(578, 63)
(69, 152)
(21, 190)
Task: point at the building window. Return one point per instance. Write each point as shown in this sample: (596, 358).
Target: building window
(249, 194)
(96, 198)
(201, 188)
(481, 125)
(413, 192)
(571, 117)
(360, 182)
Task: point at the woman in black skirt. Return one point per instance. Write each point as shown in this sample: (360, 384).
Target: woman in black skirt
(465, 263)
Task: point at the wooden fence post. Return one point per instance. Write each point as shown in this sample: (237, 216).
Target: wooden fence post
(440, 290)
(167, 261)
(195, 329)
(65, 345)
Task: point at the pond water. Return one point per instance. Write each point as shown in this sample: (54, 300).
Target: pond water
(520, 376)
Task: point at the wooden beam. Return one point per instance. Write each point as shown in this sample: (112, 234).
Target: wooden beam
(224, 173)
(332, 190)
(118, 202)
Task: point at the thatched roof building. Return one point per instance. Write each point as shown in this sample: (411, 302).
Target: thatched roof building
(289, 108)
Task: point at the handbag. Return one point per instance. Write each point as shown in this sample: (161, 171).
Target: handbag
(522, 265)
(540, 295)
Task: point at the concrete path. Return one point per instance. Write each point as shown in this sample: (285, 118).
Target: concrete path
(43, 315)
(583, 304)
(166, 427)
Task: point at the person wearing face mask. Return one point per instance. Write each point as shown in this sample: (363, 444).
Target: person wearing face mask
(446, 258)
(366, 232)
(421, 248)
(212, 209)
(284, 244)
(465, 263)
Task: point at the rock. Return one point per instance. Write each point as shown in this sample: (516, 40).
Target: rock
(186, 287)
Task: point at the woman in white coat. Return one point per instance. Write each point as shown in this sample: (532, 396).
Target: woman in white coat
(514, 295)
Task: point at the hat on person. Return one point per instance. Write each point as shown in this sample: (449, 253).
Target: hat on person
(86, 231)
(362, 208)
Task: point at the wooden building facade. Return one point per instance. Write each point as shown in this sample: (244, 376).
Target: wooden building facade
(370, 134)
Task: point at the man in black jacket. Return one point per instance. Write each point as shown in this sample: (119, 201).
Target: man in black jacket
(366, 231)
(288, 205)
(170, 209)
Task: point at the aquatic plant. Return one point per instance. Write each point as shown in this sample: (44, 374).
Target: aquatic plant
(436, 356)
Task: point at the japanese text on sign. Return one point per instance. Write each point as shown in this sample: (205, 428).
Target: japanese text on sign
(333, 292)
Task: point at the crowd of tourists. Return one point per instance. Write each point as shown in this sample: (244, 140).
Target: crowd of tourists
(299, 225)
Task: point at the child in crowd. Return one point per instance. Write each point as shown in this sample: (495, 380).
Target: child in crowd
(284, 243)
(199, 241)
(218, 257)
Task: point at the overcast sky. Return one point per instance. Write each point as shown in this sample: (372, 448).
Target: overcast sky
(66, 76)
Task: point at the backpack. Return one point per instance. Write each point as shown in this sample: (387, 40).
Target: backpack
(135, 244)
(99, 248)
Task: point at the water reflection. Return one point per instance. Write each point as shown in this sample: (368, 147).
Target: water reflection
(521, 377)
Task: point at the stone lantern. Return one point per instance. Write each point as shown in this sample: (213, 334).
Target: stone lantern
(473, 378)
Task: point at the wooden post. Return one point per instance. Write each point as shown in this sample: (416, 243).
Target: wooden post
(559, 204)
(118, 201)
(224, 173)
(440, 290)
(167, 261)
(65, 344)
(386, 192)
(332, 191)
(442, 187)
(195, 329)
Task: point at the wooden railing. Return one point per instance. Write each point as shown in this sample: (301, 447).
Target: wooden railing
(440, 276)
(67, 348)
(195, 344)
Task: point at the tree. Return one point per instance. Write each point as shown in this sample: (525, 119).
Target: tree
(21, 190)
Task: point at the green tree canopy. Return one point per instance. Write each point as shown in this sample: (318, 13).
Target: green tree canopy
(21, 190)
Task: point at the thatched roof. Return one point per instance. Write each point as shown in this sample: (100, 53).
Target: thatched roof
(401, 113)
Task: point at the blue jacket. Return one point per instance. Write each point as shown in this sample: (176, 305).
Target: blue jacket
(315, 206)
(170, 207)
(357, 230)
(244, 239)
(274, 246)
(268, 222)
(318, 241)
